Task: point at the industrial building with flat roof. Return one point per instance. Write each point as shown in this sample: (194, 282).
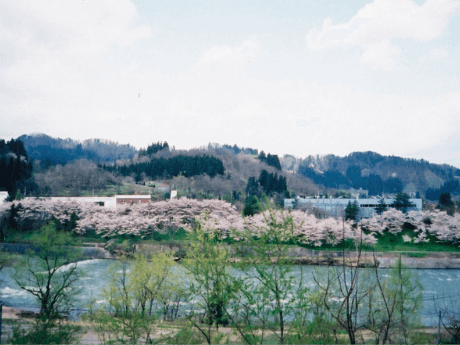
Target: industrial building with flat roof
(336, 207)
(106, 201)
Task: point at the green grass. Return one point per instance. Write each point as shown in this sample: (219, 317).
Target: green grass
(387, 242)
(416, 254)
(394, 242)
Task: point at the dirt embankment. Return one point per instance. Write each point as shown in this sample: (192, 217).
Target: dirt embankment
(431, 260)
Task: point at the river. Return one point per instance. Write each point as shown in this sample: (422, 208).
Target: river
(443, 285)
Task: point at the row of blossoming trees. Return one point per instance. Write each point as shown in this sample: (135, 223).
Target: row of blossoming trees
(142, 219)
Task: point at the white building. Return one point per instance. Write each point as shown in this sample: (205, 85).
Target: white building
(336, 207)
(3, 196)
(110, 202)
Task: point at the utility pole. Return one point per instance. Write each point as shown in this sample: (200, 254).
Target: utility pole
(1, 307)
(438, 340)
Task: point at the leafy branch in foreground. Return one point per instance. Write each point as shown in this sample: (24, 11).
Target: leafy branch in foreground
(49, 272)
(211, 284)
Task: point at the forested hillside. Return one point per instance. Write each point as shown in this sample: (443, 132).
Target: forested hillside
(219, 171)
(187, 166)
(72, 168)
(376, 173)
(15, 167)
(51, 151)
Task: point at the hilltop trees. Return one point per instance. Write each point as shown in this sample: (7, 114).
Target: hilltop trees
(271, 160)
(51, 151)
(154, 148)
(15, 167)
(187, 166)
(72, 179)
(235, 149)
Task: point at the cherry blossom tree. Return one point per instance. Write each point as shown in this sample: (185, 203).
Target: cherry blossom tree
(221, 216)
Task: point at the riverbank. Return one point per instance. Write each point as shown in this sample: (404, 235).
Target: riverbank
(87, 253)
(304, 256)
(300, 256)
(418, 260)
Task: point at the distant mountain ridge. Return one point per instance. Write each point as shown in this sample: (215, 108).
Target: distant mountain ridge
(369, 171)
(377, 173)
(61, 151)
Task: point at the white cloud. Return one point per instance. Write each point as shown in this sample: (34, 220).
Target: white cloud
(227, 59)
(307, 123)
(81, 78)
(75, 26)
(55, 49)
(377, 24)
(438, 53)
(381, 55)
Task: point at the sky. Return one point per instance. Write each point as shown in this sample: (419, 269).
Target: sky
(299, 77)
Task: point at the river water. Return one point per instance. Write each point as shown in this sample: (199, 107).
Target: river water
(440, 285)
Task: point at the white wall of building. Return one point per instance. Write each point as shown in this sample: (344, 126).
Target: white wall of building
(337, 206)
(108, 201)
(3, 196)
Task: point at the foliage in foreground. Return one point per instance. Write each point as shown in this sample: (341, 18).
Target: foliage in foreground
(49, 273)
(258, 301)
(59, 333)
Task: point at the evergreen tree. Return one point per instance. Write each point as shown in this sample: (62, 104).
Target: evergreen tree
(264, 179)
(15, 169)
(273, 161)
(154, 148)
(251, 206)
(381, 207)
(446, 203)
(272, 183)
(352, 211)
(445, 199)
(252, 187)
(187, 166)
(402, 202)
